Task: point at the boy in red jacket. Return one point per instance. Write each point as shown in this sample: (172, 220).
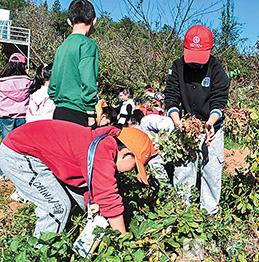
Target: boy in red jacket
(47, 162)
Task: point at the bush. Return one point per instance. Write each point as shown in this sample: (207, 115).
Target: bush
(160, 224)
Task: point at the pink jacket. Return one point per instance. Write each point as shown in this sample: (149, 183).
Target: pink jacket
(40, 106)
(14, 95)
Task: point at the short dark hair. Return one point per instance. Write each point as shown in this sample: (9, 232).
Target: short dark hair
(136, 116)
(42, 74)
(120, 144)
(110, 113)
(81, 11)
(127, 91)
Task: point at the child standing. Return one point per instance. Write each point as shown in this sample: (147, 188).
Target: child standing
(40, 105)
(74, 76)
(127, 106)
(14, 93)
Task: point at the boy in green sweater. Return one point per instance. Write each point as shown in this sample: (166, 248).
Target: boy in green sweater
(74, 75)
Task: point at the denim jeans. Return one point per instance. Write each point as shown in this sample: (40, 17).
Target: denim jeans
(8, 124)
(185, 176)
(36, 182)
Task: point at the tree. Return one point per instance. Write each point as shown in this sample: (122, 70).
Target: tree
(56, 7)
(59, 18)
(229, 26)
(133, 55)
(45, 4)
(12, 4)
(228, 41)
(44, 38)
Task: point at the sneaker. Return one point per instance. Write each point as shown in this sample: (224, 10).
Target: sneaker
(16, 196)
(3, 178)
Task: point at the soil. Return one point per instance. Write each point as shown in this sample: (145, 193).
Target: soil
(235, 159)
(8, 206)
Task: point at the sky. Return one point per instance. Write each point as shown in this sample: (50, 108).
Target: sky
(246, 12)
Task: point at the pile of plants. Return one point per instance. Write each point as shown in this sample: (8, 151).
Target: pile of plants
(181, 145)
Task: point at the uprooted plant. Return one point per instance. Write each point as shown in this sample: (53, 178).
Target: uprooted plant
(183, 144)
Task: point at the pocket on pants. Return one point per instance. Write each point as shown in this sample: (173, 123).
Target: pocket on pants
(220, 159)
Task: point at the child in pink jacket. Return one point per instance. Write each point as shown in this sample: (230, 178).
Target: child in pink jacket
(40, 105)
(14, 94)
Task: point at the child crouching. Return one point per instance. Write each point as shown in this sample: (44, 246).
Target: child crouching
(47, 161)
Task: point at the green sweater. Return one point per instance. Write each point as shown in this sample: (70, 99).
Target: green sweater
(74, 74)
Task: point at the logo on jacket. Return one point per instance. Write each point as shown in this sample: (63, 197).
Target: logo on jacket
(206, 82)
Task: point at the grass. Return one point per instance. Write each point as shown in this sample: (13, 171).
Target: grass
(229, 143)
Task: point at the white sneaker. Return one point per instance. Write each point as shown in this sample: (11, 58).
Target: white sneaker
(3, 178)
(16, 196)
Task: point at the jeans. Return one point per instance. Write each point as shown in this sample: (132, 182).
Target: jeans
(36, 183)
(185, 176)
(8, 124)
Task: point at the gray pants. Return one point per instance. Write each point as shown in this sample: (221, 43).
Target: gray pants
(36, 182)
(211, 173)
(156, 165)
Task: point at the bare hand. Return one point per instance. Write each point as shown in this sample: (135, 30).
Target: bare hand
(210, 133)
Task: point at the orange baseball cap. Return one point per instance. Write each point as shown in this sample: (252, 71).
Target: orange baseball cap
(141, 146)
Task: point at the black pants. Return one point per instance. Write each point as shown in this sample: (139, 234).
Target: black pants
(70, 115)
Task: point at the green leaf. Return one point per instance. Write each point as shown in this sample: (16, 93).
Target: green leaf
(163, 259)
(243, 210)
(135, 231)
(15, 245)
(139, 255)
(254, 115)
(171, 241)
(47, 237)
(52, 259)
(173, 257)
(32, 241)
(128, 258)
(58, 244)
(147, 226)
(109, 252)
(194, 224)
(240, 205)
(152, 216)
(101, 247)
(21, 257)
(125, 236)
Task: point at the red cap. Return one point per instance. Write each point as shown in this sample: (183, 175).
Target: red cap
(198, 42)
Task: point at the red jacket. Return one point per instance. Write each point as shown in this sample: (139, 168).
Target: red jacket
(63, 147)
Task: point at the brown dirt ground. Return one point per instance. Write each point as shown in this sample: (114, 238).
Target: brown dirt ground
(8, 206)
(233, 159)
